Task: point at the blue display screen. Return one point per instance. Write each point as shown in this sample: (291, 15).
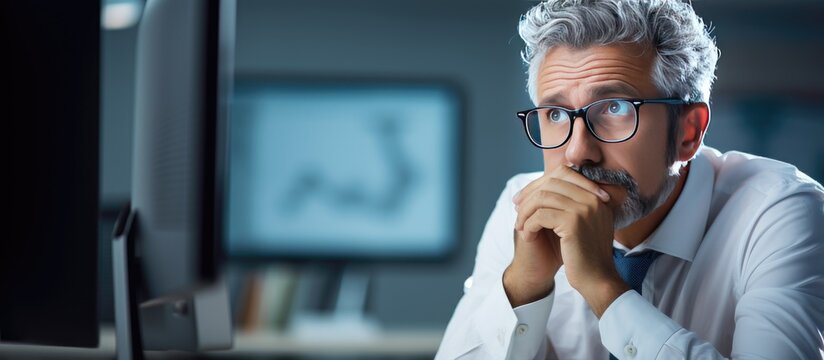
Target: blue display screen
(342, 170)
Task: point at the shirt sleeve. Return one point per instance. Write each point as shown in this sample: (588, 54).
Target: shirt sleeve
(780, 293)
(484, 325)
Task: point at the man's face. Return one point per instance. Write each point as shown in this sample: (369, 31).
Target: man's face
(574, 78)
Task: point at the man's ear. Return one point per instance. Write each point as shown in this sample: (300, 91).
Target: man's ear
(692, 125)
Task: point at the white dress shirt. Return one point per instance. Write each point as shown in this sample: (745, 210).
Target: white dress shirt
(741, 275)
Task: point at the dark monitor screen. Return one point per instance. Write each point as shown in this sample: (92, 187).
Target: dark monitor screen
(48, 256)
(342, 169)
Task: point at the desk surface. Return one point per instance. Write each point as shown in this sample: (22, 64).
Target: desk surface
(402, 343)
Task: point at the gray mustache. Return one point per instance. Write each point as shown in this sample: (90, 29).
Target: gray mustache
(606, 176)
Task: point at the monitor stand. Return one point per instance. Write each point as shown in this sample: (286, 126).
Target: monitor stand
(193, 322)
(128, 341)
(348, 318)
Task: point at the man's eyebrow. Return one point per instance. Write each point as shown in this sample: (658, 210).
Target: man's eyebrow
(596, 93)
(619, 89)
(554, 99)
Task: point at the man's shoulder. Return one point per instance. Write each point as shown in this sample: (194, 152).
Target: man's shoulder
(737, 171)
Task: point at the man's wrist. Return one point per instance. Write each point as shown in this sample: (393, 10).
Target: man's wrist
(602, 294)
(521, 291)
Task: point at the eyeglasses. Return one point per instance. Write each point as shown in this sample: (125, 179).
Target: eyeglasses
(609, 120)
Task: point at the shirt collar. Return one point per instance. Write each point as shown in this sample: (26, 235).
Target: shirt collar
(683, 228)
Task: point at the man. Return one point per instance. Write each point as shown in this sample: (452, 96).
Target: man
(637, 242)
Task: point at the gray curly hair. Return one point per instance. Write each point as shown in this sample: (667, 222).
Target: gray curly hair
(686, 55)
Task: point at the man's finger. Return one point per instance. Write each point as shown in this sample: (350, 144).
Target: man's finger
(566, 173)
(529, 188)
(543, 218)
(572, 191)
(544, 199)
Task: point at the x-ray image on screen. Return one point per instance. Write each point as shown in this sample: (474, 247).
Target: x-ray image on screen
(336, 170)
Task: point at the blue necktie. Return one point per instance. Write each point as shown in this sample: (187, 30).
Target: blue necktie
(633, 268)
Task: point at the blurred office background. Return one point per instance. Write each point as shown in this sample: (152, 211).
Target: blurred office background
(768, 101)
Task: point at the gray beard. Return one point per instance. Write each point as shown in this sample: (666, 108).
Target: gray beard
(635, 206)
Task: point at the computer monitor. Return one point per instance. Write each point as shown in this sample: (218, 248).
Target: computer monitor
(345, 174)
(183, 80)
(343, 169)
(48, 254)
(167, 247)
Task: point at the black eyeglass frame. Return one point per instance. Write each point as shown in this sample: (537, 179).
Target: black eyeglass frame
(582, 112)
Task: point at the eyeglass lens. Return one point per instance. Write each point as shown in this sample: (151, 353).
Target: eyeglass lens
(609, 120)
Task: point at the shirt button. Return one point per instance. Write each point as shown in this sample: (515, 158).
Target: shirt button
(630, 350)
(521, 329)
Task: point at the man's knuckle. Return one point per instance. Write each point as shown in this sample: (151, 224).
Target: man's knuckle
(546, 194)
(593, 199)
(584, 211)
(590, 212)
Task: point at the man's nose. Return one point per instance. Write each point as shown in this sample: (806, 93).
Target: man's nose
(582, 146)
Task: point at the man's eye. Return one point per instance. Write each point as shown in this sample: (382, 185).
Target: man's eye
(618, 107)
(556, 115)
